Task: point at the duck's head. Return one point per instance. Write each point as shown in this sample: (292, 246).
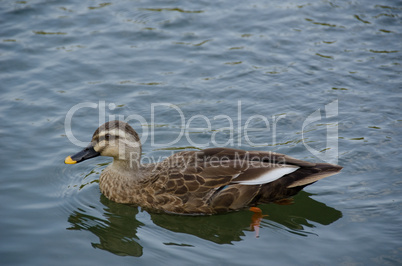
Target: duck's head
(115, 139)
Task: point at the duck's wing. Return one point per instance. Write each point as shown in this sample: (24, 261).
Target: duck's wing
(227, 179)
(216, 167)
(259, 167)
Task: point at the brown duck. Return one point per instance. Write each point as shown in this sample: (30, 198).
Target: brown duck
(209, 181)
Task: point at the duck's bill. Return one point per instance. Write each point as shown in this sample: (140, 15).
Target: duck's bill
(83, 155)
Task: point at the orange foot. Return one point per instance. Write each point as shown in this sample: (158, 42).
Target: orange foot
(256, 219)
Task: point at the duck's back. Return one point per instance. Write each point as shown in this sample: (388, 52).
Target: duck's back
(220, 180)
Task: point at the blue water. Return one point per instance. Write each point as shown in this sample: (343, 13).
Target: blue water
(194, 75)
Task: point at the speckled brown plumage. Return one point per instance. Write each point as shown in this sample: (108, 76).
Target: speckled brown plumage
(198, 182)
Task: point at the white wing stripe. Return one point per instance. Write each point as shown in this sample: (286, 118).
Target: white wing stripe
(269, 176)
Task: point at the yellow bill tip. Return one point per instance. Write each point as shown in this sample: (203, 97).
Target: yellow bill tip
(68, 160)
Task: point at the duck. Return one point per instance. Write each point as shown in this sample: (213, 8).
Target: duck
(201, 182)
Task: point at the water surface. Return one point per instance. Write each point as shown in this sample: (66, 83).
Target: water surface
(228, 63)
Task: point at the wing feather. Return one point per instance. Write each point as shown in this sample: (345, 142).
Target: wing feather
(259, 176)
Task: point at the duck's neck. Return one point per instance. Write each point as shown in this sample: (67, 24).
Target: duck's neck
(118, 180)
(128, 169)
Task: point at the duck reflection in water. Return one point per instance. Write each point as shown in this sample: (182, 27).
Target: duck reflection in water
(116, 225)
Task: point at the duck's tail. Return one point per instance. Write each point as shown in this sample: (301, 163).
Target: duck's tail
(313, 174)
(289, 185)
